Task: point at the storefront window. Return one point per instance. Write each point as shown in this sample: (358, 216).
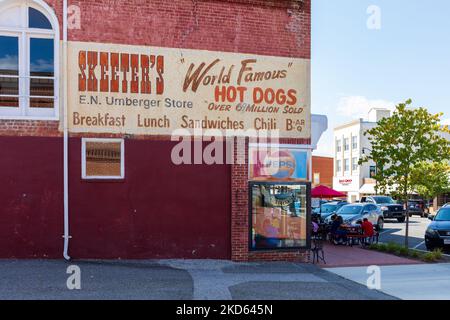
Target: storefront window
(102, 158)
(279, 216)
(29, 49)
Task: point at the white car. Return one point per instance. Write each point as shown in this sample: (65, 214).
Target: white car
(356, 212)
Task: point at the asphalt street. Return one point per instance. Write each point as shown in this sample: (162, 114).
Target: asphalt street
(176, 280)
(395, 232)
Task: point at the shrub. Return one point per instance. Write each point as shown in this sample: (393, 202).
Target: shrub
(400, 250)
(393, 247)
(429, 257)
(403, 251)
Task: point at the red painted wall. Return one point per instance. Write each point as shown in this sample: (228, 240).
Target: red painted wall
(31, 206)
(160, 210)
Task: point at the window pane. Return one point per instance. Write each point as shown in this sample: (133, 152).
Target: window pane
(41, 87)
(278, 216)
(38, 20)
(103, 159)
(9, 102)
(41, 103)
(41, 57)
(9, 55)
(9, 86)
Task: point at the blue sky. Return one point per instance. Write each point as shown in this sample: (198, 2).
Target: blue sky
(355, 68)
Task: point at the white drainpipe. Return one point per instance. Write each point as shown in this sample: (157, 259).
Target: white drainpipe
(65, 138)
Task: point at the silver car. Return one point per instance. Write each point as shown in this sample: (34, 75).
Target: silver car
(354, 213)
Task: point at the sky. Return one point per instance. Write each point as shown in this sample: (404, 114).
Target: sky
(377, 53)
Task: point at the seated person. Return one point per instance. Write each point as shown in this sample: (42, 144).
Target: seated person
(339, 234)
(367, 228)
(315, 227)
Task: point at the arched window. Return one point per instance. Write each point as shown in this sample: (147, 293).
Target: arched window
(29, 51)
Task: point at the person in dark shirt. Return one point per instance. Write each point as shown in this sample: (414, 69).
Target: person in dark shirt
(338, 233)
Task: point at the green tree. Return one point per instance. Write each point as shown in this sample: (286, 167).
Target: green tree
(400, 143)
(430, 179)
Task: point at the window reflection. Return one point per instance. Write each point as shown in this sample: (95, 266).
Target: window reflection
(278, 216)
(9, 86)
(41, 87)
(41, 57)
(9, 55)
(9, 102)
(103, 159)
(38, 20)
(41, 72)
(41, 103)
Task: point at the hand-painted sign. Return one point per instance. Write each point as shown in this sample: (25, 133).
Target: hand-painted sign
(147, 90)
(279, 165)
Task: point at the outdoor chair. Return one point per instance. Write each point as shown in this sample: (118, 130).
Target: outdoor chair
(317, 250)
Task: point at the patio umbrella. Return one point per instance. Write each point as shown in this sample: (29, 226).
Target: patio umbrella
(325, 192)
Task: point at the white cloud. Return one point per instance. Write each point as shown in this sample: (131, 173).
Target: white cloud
(9, 62)
(358, 106)
(42, 65)
(445, 122)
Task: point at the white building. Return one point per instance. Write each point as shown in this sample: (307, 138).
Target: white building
(349, 146)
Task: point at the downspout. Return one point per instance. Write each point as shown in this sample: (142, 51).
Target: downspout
(65, 138)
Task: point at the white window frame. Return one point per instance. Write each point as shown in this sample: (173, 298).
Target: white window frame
(338, 145)
(355, 165)
(104, 140)
(338, 166)
(354, 142)
(346, 144)
(346, 165)
(24, 111)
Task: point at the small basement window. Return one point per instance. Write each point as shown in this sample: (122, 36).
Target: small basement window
(103, 159)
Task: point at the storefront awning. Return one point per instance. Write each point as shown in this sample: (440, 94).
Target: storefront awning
(367, 189)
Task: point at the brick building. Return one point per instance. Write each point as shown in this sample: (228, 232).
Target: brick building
(322, 171)
(90, 94)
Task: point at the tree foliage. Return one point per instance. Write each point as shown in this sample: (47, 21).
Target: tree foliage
(401, 143)
(430, 179)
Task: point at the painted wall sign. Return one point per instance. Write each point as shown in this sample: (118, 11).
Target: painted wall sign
(280, 165)
(345, 181)
(148, 90)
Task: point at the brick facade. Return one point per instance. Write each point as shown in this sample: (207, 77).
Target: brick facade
(323, 166)
(273, 28)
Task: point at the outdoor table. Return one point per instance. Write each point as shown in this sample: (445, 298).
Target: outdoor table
(354, 232)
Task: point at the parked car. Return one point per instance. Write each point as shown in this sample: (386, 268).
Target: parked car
(328, 209)
(356, 212)
(417, 207)
(390, 209)
(438, 232)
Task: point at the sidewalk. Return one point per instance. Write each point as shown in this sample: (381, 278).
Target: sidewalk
(177, 280)
(345, 256)
(410, 282)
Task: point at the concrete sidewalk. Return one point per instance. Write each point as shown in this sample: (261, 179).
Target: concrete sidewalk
(346, 256)
(176, 280)
(409, 282)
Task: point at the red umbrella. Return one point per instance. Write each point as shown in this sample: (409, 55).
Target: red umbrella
(325, 192)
